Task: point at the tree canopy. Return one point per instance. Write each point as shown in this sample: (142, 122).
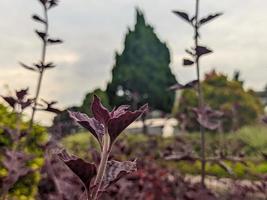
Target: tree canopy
(240, 107)
(141, 73)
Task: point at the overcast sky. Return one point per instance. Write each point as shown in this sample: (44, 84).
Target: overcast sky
(94, 29)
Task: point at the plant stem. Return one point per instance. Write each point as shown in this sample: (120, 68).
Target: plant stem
(41, 73)
(103, 164)
(200, 99)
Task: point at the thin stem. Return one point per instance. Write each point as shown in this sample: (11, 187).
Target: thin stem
(200, 99)
(41, 73)
(102, 166)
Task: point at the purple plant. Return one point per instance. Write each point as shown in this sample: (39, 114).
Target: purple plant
(41, 66)
(196, 53)
(105, 126)
(15, 159)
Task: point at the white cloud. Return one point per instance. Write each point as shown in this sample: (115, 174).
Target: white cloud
(93, 30)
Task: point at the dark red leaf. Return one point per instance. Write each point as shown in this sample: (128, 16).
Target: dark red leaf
(187, 62)
(119, 111)
(91, 124)
(52, 3)
(201, 50)
(42, 35)
(10, 100)
(38, 19)
(26, 104)
(84, 170)
(183, 15)
(50, 108)
(27, 67)
(116, 170)
(49, 65)
(117, 124)
(21, 94)
(99, 111)
(209, 18)
(43, 1)
(44, 66)
(54, 41)
(208, 118)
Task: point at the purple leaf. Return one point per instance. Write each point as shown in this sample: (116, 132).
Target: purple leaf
(209, 18)
(42, 35)
(183, 15)
(43, 1)
(27, 67)
(264, 119)
(208, 118)
(117, 124)
(58, 174)
(99, 111)
(187, 62)
(15, 163)
(119, 111)
(50, 108)
(116, 170)
(49, 65)
(10, 100)
(52, 3)
(201, 50)
(26, 104)
(91, 124)
(114, 122)
(21, 94)
(54, 41)
(84, 170)
(38, 19)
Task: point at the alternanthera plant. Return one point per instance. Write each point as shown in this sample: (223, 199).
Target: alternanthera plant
(42, 65)
(195, 53)
(105, 126)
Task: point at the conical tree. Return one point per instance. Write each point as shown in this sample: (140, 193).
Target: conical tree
(141, 73)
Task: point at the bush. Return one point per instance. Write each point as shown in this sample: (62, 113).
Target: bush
(26, 187)
(240, 107)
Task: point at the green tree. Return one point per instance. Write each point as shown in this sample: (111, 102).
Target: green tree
(141, 73)
(241, 107)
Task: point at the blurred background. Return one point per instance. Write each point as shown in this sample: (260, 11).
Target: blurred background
(136, 52)
(94, 30)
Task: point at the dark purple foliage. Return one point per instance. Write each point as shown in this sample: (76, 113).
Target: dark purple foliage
(201, 50)
(208, 117)
(84, 170)
(19, 99)
(16, 164)
(113, 122)
(209, 18)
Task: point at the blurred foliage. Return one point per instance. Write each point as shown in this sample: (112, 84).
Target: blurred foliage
(142, 146)
(241, 107)
(32, 144)
(141, 73)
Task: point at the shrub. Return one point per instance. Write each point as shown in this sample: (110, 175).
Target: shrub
(241, 107)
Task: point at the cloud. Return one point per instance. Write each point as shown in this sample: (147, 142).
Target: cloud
(93, 30)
